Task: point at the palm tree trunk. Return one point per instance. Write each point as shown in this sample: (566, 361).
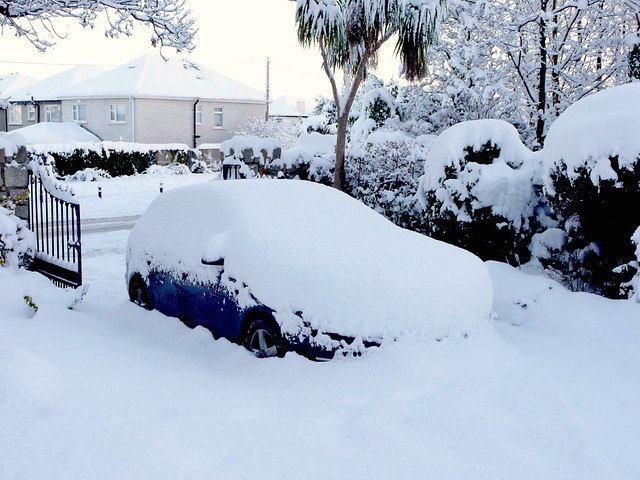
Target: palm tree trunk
(339, 176)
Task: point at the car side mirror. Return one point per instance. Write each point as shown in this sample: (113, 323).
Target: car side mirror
(216, 263)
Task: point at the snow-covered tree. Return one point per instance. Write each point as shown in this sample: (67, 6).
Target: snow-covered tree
(526, 61)
(466, 79)
(349, 34)
(634, 41)
(560, 51)
(285, 133)
(171, 22)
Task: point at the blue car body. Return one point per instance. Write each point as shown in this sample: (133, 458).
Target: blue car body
(213, 307)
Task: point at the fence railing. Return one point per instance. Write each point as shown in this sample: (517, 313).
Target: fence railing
(56, 224)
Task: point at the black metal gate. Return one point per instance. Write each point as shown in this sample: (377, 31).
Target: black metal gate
(56, 224)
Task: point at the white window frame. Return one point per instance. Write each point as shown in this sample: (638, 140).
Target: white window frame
(117, 113)
(199, 115)
(218, 113)
(31, 113)
(52, 113)
(15, 115)
(78, 114)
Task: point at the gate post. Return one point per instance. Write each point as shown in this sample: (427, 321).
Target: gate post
(14, 180)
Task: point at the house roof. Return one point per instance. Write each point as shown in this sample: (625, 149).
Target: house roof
(288, 107)
(150, 76)
(51, 88)
(12, 82)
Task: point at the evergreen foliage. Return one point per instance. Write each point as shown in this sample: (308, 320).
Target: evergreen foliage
(470, 223)
(599, 221)
(115, 163)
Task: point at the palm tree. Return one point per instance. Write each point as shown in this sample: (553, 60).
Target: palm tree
(349, 34)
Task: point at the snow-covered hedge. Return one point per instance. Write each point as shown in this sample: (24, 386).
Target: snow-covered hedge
(479, 190)
(17, 242)
(115, 158)
(592, 181)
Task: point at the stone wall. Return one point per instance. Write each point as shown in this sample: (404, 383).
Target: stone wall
(14, 179)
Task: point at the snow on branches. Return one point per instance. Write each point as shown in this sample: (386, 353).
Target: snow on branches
(171, 22)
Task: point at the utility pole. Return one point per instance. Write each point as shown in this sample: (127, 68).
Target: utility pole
(266, 114)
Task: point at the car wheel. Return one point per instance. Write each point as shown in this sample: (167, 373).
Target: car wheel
(263, 339)
(138, 292)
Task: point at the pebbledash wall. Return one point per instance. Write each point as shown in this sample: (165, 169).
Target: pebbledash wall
(14, 178)
(150, 120)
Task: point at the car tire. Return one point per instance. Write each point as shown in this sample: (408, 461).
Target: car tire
(263, 339)
(139, 293)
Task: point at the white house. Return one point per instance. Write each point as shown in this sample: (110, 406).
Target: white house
(152, 101)
(148, 100)
(40, 101)
(8, 85)
(288, 109)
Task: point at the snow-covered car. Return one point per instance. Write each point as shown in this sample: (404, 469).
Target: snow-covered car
(283, 265)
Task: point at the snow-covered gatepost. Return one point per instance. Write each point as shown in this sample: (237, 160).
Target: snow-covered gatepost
(14, 180)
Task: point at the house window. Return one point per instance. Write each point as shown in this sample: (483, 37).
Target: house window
(15, 115)
(117, 113)
(52, 113)
(218, 117)
(199, 115)
(31, 113)
(79, 112)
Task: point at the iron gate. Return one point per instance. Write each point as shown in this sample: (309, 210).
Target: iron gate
(56, 224)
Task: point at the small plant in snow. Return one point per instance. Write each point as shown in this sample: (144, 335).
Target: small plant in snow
(30, 303)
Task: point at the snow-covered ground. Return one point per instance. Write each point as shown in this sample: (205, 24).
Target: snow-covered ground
(109, 390)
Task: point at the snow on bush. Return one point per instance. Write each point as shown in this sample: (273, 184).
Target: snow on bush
(592, 181)
(302, 247)
(171, 169)
(323, 119)
(88, 175)
(311, 158)
(383, 173)
(17, 242)
(478, 190)
(598, 135)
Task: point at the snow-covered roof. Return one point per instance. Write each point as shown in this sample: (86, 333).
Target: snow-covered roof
(51, 88)
(301, 246)
(149, 76)
(12, 82)
(605, 124)
(288, 107)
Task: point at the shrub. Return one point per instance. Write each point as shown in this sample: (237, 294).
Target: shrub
(115, 163)
(592, 181)
(599, 221)
(479, 190)
(383, 173)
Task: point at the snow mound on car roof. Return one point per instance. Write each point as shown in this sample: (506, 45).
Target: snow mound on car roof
(302, 247)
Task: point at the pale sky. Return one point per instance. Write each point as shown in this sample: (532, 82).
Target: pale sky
(234, 38)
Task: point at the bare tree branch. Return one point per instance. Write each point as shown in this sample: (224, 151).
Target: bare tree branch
(170, 21)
